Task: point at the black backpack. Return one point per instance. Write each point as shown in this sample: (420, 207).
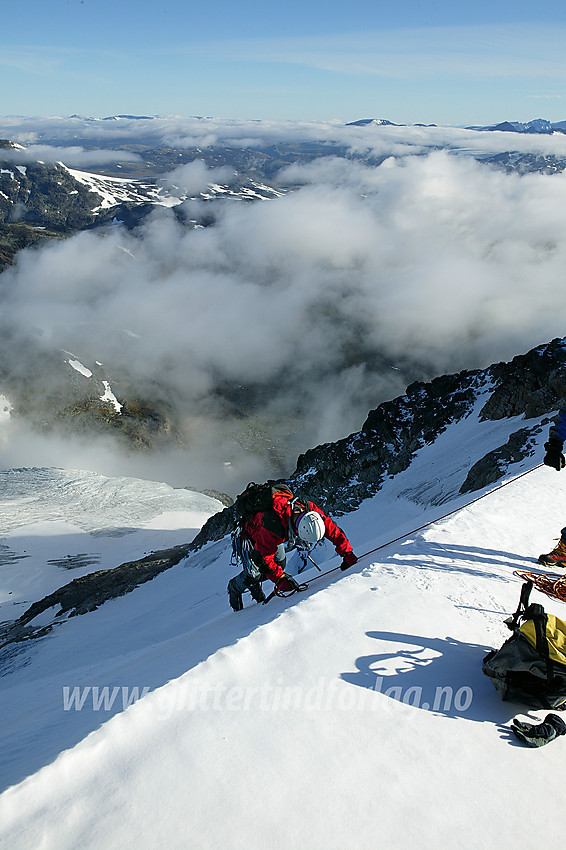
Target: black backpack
(256, 498)
(530, 667)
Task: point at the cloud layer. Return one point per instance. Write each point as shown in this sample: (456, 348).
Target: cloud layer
(74, 155)
(187, 132)
(283, 323)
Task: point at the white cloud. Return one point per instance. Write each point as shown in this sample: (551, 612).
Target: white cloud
(73, 155)
(196, 177)
(187, 132)
(501, 51)
(40, 61)
(298, 308)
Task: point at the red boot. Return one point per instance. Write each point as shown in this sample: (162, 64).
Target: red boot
(556, 558)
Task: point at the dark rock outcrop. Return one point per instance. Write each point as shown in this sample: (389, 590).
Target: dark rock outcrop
(45, 196)
(530, 385)
(490, 468)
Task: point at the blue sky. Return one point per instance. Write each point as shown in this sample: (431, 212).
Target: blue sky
(408, 61)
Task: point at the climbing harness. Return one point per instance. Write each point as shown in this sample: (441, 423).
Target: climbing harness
(242, 549)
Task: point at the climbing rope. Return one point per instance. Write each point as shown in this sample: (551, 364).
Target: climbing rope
(552, 585)
(454, 511)
(283, 594)
(305, 585)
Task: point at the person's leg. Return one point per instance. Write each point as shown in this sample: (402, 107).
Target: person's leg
(236, 586)
(255, 589)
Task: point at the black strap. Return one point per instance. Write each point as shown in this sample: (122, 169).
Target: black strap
(513, 622)
(539, 617)
(271, 521)
(540, 620)
(525, 594)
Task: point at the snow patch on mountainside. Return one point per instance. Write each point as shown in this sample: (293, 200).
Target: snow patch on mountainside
(119, 190)
(109, 396)
(5, 409)
(78, 367)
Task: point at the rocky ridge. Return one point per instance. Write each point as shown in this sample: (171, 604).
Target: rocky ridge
(340, 475)
(88, 592)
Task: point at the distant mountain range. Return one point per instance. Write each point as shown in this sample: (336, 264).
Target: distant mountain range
(39, 200)
(382, 122)
(539, 125)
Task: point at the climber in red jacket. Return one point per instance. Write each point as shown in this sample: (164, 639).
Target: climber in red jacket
(286, 522)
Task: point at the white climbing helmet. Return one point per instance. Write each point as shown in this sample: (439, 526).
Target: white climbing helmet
(310, 527)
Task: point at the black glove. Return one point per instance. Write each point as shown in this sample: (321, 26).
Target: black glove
(348, 561)
(554, 456)
(539, 734)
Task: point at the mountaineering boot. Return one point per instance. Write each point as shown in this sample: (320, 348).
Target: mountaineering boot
(556, 558)
(539, 734)
(256, 591)
(235, 597)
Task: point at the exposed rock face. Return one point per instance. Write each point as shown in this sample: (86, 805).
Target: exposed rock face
(45, 195)
(342, 474)
(530, 385)
(37, 202)
(54, 397)
(490, 468)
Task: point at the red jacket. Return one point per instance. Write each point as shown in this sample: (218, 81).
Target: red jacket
(268, 529)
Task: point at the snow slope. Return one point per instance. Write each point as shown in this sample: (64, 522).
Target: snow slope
(352, 716)
(57, 525)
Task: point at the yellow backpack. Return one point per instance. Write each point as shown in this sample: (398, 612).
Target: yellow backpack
(530, 667)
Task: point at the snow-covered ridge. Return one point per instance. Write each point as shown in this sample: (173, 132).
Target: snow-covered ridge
(372, 680)
(109, 191)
